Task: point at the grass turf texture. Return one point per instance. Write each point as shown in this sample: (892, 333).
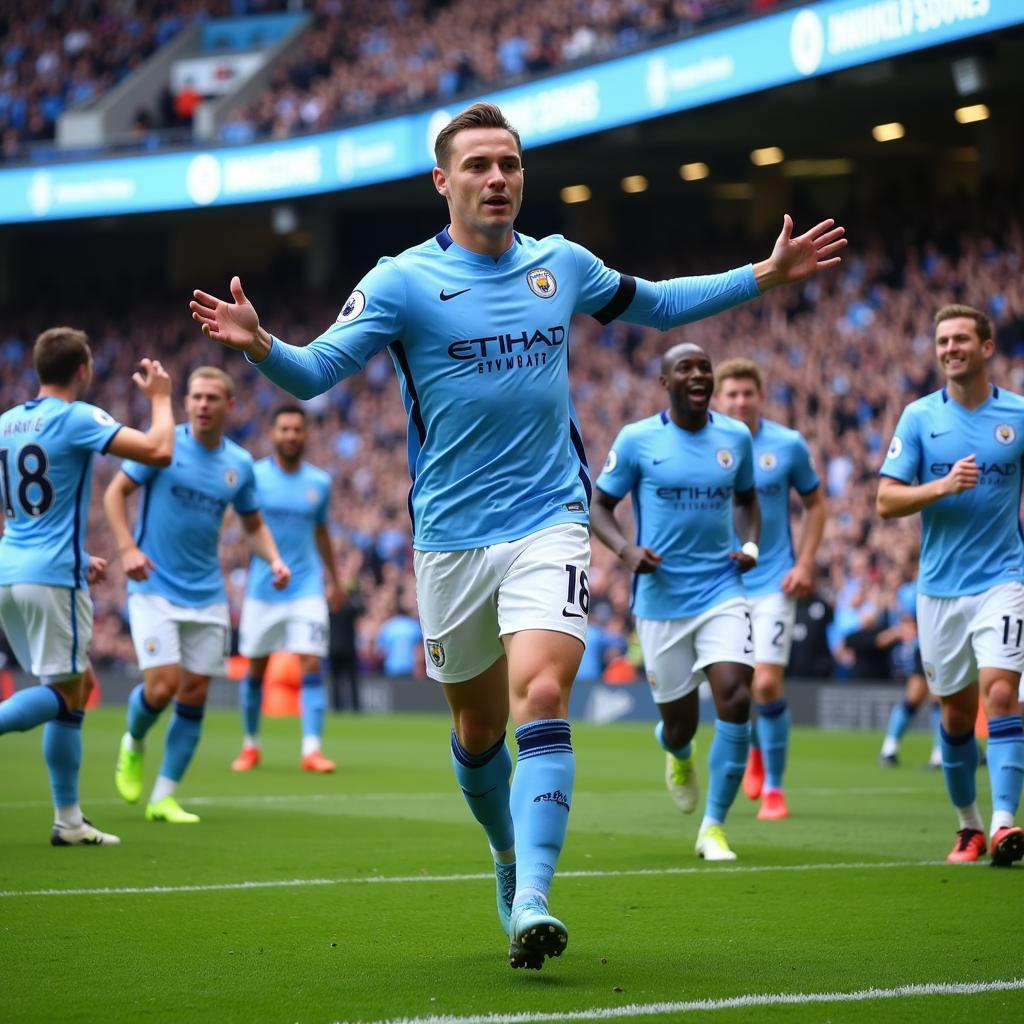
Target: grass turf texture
(361, 951)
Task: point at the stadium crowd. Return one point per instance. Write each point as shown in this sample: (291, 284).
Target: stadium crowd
(359, 58)
(841, 358)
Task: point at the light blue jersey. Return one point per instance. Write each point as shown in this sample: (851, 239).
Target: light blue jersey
(480, 348)
(682, 484)
(180, 514)
(293, 504)
(972, 541)
(46, 448)
(782, 461)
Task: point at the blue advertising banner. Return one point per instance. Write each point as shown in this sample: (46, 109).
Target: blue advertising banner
(809, 41)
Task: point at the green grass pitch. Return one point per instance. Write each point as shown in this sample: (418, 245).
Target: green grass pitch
(381, 905)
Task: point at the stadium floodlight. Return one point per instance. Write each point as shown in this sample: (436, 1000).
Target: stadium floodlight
(694, 172)
(767, 156)
(575, 194)
(888, 132)
(975, 112)
(634, 184)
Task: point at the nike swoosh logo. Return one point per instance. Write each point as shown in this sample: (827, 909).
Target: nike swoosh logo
(478, 795)
(571, 615)
(939, 433)
(445, 296)
(658, 462)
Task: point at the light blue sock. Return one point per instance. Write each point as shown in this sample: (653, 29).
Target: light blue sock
(772, 730)
(62, 750)
(680, 754)
(900, 717)
(936, 714)
(182, 740)
(727, 760)
(250, 698)
(141, 715)
(959, 763)
(1006, 762)
(313, 702)
(540, 799)
(484, 781)
(755, 739)
(31, 707)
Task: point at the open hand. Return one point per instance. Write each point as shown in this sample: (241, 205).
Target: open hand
(234, 324)
(152, 379)
(796, 259)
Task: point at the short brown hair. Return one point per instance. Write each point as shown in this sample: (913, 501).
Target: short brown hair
(982, 324)
(479, 115)
(58, 353)
(212, 373)
(738, 368)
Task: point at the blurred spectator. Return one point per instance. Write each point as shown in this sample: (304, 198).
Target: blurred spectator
(399, 645)
(342, 652)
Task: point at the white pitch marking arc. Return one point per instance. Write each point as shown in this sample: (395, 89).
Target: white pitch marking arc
(300, 883)
(635, 1010)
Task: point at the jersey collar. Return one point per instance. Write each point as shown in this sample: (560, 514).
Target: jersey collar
(452, 248)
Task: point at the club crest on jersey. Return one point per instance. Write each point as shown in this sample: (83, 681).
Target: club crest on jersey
(230, 477)
(929, 671)
(152, 644)
(611, 462)
(542, 283)
(436, 651)
(354, 305)
(104, 419)
(724, 458)
(767, 460)
(1005, 434)
(895, 449)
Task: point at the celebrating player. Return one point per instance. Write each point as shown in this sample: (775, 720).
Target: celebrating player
(782, 462)
(177, 602)
(956, 458)
(295, 497)
(476, 321)
(691, 476)
(46, 448)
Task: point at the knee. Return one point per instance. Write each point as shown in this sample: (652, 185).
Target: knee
(1001, 698)
(544, 698)
(766, 688)
(161, 688)
(956, 720)
(732, 701)
(193, 691)
(477, 733)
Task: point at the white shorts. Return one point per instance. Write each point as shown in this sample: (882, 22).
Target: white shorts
(468, 600)
(677, 650)
(299, 626)
(49, 629)
(959, 635)
(774, 616)
(197, 639)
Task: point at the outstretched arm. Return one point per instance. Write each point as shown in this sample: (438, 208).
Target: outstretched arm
(371, 319)
(682, 300)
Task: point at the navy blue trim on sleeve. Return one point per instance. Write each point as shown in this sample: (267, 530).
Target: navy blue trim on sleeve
(103, 450)
(619, 301)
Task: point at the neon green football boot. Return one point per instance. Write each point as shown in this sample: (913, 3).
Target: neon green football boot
(128, 773)
(168, 809)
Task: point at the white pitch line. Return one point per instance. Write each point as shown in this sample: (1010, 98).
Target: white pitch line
(292, 801)
(299, 883)
(634, 1010)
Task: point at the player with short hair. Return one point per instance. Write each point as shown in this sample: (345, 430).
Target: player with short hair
(690, 473)
(46, 449)
(956, 458)
(782, 462)
(295, 496)
(476, 321)
(177, 602)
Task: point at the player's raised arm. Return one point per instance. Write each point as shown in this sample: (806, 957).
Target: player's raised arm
(795, 259)
(371, 318)
(154, 447)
